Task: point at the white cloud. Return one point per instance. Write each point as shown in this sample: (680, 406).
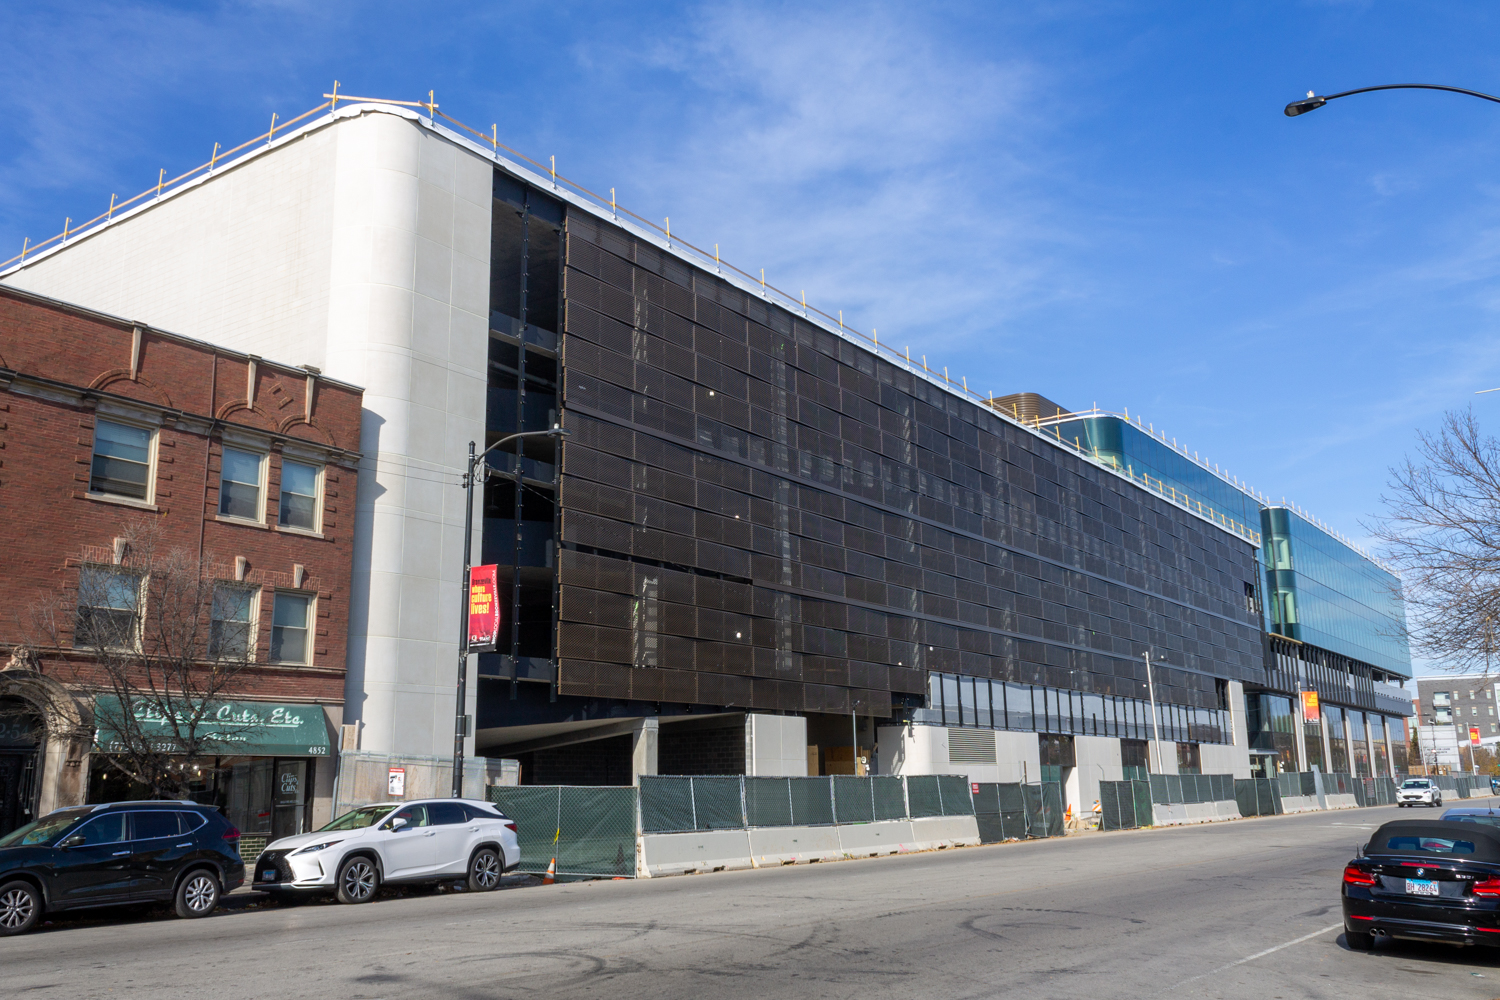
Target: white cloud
(866, 154)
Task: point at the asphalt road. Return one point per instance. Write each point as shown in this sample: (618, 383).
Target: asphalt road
(1243, 909)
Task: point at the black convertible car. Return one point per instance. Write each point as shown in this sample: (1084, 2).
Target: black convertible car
(1425, 881)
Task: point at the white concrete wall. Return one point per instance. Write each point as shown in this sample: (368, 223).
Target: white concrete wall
(363, 248)
(408, 319)
(1098, 760)
(776, 745)
(240, 258)
(1216, 758)
(923, 749)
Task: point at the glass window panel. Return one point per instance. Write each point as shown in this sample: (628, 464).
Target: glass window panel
(966, 701)
(299, 495)
(289, 629)
(153, 825)
(982, 702)
(122, 460)
(950, 700)
(239, 484)
(1018, 710)
(108, 608)
(229, 636)
(106, 829)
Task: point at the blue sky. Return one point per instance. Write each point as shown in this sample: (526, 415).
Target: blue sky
(1101, 202)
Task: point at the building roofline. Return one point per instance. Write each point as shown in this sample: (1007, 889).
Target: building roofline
(574, 195)
(10, 291)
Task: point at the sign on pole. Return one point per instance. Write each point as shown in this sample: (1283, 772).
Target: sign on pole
(1311, 712)
(1474, 736)
(484, 608)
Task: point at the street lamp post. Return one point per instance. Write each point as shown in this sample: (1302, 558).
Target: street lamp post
(1155, 718)
(476, 469)
(1313, 102)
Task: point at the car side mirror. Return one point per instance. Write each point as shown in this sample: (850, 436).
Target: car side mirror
(397, 823)
(77, 840)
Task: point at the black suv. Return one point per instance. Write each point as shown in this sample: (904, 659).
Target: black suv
(123, 852)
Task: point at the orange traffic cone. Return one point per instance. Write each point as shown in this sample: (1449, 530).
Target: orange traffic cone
(551, 875)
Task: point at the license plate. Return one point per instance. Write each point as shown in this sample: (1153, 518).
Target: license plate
(270, 876)
(1421, 887)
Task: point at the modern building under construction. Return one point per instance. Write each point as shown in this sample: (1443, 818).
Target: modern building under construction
(769, 545)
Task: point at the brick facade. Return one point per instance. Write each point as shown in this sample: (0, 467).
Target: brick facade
(63, 369)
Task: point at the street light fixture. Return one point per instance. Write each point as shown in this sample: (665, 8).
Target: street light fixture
(1313, 102)
(476, 470)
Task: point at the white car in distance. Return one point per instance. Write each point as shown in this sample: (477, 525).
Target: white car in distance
(1419, 792)
(429, 840)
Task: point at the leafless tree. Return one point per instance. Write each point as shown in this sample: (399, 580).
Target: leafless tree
(161, 640)
(1442, 528)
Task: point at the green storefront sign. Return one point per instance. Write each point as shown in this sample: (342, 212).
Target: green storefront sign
(231, 728)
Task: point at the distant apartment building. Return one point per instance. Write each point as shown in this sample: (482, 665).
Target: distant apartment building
(769, 545)
(1464, 703)
(113, 432)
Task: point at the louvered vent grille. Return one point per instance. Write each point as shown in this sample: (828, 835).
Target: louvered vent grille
(971, 746)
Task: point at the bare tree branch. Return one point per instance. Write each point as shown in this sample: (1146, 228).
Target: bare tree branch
(1442, 528)
(143, 636)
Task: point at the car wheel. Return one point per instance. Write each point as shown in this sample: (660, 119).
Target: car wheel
(198, 894)
(484, 870)
(357, 881)
(20, 907)
(1359, 940)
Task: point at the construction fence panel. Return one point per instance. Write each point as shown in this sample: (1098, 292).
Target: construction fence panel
(812, 801)
(1258, 796)
(1052, 809)
(1031, 795)
(923, 795)
(768, 801)
(667, 805)
(1000, 811)
(889, 796)
(853, 799)
(597, 832)
(955, 795)
(1110, 815)
(718, 803)
(588, 830)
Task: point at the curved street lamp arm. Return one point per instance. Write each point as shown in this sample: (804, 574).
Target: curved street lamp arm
(1312, 102)
(554, 432)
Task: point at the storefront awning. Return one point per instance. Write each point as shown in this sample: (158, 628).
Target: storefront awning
(231, 728)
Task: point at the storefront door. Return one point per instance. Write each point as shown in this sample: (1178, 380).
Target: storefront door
(17, 778)
(289, 798)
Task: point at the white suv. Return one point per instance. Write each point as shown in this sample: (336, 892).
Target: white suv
(429, 840)
(1419, 791)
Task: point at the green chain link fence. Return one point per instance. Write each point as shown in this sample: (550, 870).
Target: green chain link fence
(589, 830)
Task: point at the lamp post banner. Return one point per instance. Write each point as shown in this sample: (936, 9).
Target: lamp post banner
(1311, 711)
(484, 609)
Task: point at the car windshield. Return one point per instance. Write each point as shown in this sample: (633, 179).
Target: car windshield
(1416, 784)
(1490, 819)
(362, 817)
(45, 830)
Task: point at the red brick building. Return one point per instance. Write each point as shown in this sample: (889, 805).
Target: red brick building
(109, 428)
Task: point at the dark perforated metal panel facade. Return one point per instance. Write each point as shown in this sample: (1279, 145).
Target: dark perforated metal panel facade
(757, 513)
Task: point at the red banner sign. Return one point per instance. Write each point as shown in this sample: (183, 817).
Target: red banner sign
(1474, 735)
(484, 609)
(1311, 711)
